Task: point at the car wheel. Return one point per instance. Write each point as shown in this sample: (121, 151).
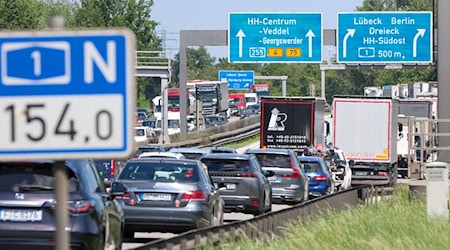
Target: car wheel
(269, 203)
(212, 219)
(127, 234)
(119, 241)
(331, 188)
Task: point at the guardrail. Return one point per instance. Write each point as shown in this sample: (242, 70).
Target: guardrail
(219, 135)
(271, 223)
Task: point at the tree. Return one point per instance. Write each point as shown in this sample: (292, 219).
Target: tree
(23, 14)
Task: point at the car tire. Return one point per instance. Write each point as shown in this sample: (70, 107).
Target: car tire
(101, 243)
(127, 234)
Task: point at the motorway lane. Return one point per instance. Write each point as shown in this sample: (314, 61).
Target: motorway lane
(141, 238)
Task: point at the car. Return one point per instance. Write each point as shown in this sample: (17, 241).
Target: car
(321, 181)
(106, 169)
(234, 109)
(167, 195)
(144, 134)
(289, 184)
(246, 113)
(27, 205)
(148, 148)
(191, 153)
(162, 155)
(242, 182)
(341, 168)
(214, 120)
(255, 107)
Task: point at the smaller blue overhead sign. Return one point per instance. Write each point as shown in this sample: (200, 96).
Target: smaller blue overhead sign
(275, 37)
(237, 79)
(385, 37)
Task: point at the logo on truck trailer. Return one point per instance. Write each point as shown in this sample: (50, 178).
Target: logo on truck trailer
(277, 120)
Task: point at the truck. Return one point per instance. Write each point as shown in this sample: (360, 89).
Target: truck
(212, 94)
(173, 98)
(292, 122)
(366, 128)
(261, 89)
(410, 108)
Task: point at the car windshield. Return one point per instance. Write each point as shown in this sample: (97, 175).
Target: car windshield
(224, 165)
(311, 167)
(274, 160)
(140, 132)
(161, 172)
(31, 177)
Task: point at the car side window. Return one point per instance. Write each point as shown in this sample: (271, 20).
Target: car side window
(256, 165)
(93, 178)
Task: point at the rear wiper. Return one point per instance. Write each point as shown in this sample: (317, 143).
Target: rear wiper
(32, 188)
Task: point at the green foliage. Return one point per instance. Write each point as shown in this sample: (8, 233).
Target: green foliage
(23, 14)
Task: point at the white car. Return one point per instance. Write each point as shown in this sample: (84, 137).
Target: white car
(162, 155)
(347, 175)
(143, 134)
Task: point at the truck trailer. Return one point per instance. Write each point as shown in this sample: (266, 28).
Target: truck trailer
(291, 122)
(366, 128)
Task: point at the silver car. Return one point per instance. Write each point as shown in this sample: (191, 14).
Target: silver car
(167, 195)
(290, 183)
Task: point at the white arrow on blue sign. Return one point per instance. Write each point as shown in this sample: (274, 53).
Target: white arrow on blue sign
(385, 37)
(237, 80)
(67, 94)
(275, 37)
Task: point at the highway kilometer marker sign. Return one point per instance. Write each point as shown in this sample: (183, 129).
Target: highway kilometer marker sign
(67, 94)
(385, 37)
(275, 37)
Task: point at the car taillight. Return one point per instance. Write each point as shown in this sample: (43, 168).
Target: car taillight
(126, 196)
(196, 195)
(78, 207)
(320, 178)
(249, 175)
(383, 174)
(113, 167)
(295, 175)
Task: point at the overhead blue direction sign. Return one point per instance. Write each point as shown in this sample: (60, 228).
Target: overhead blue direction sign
(237, 79)
(67, 94)
(385, 37)
(275, 37)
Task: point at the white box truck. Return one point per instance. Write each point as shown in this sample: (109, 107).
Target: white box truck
(366, 128)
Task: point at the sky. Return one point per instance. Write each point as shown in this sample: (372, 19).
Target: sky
(176, 15)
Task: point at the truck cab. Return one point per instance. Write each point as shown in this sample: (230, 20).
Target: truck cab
(238, 99)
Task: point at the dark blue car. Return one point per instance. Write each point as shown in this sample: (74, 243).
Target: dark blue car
(320, 179)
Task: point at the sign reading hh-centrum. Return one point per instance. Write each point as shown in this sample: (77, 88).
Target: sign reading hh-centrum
(67, 94)
(275, 37)
(385, 37)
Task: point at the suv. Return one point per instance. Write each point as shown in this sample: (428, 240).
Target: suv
(242, 183)
(290, 183)
(27, 205)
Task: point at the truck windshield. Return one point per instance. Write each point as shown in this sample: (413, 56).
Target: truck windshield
(207, 95)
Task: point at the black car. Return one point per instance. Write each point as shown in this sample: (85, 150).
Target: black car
(106, 169)
(27, 207)
(242, 183)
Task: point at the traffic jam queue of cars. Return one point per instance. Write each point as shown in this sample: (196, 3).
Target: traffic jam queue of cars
(154, 191)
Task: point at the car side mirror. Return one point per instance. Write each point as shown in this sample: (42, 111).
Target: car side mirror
(269, 173)
(118, 189)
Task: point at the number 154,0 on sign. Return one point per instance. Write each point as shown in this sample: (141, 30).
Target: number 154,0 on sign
(26, 121)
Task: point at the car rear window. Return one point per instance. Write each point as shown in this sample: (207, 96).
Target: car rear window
(224, 165)
(103, 167)
(144, 150)
(311, 167)
(31, 177)
(192, 156)
(274, 160)
(162, 172)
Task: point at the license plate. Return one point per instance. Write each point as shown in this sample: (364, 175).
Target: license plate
(20, 215)
(360, 173)
(156, 197)
(231, 186)
(272, 178)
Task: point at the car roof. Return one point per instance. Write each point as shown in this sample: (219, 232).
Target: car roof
(309, 158)
(190, 150)
(227, 156)
(268, 150)
(163, 160)
(222, 149)
(150, 146)
(166, 154)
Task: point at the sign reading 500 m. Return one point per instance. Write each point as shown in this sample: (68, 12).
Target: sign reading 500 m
(66, 95)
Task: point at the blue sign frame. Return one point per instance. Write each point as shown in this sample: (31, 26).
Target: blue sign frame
(237, 80)
(276, 37)
(63, 72)
(385, 37)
